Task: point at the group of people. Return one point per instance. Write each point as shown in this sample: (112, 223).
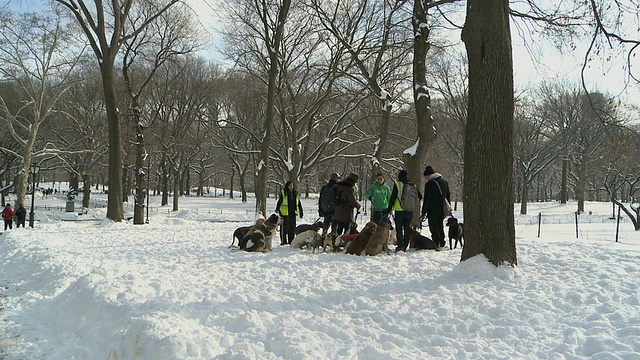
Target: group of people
(338, 213)
(8, 216)
(385, 201)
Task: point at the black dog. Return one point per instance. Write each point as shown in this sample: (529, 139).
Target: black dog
(420, 242)
(455, 232)
(239, 234)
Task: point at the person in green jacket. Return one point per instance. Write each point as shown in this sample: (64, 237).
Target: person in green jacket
(378, 193)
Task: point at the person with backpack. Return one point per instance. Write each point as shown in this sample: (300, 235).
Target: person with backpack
(378, 193)
(405, 198)
(7, 216)
(436, 189)
(345, 203)
(327, 204)
(288, 206)
(21, 216)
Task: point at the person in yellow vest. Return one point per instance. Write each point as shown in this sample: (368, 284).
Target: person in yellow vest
(288, 206)
(401, 217)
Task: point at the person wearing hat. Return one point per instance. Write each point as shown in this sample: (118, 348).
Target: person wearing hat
(289, 206)
(402, 218)
(345, 203)
(7, 216)
(435, 190)
(326, 203)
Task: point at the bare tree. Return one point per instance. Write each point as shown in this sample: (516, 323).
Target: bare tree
(168, 37)
(36, 57)
(107, 27)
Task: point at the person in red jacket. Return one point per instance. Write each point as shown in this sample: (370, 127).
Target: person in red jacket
(7, 215)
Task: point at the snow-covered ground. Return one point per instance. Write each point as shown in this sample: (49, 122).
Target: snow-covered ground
(172, 289)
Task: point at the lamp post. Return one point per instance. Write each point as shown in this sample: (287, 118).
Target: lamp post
(33, 170)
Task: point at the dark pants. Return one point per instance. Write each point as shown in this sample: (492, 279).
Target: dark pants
(437, 230)
(287, 231)
(342, 228)
(328, 222)
(377, 215)
(403, 227)
(8, 224)
(19, 222)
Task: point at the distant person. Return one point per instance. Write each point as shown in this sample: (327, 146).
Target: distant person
(288, 206)
(7, 216)
(436, 189)
(378, 193)
(21, 215)
(345, 203)
(327, 203)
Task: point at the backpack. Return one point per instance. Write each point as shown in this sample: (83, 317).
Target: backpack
(410, 199)
(328, 198)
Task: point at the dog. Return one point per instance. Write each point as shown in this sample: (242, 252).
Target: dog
(239, 235)
(357, 245)
(260, 236)
(304, 239)
(242, 244)
(317, 241)
(305, 227)
(420, 242)
(327, 242)
(379, 241)
(455, 232)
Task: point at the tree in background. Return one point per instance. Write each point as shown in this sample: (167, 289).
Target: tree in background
(106, 29)
(37, 61)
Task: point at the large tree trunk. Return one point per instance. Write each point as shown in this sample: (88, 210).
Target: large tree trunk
(114, 199)
(488, 152)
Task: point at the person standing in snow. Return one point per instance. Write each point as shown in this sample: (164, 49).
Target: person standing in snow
(288, 206)
(21, 215)
(328, 190)
(378, 193)
(7, 216)
(345, 203)
(402, 217)
(436, 189)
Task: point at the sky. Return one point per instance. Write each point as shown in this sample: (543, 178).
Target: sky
(81, 287)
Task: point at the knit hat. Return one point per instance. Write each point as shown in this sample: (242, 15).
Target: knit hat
(334, 176)
(428, 170)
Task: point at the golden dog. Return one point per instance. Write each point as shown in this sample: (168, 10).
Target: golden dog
(358, 244)
(379, 240)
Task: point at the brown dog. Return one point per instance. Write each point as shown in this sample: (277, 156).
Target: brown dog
(358, 244)
(328, 242)
(379, 240)
(420, 242)
(305, 227)
(260, 236)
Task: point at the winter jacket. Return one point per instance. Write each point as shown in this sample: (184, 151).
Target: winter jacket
(345, 202)
(289, 204)
(7, 213)
(21, 213)
(432, 205)
(379, 195)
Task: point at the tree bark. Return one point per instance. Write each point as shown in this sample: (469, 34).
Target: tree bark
(488, 157)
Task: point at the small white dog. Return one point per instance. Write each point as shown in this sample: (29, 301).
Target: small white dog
(304, 239)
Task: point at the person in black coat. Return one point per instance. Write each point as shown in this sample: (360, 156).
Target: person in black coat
(436, 189)
(288, 206)
(21, 215)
